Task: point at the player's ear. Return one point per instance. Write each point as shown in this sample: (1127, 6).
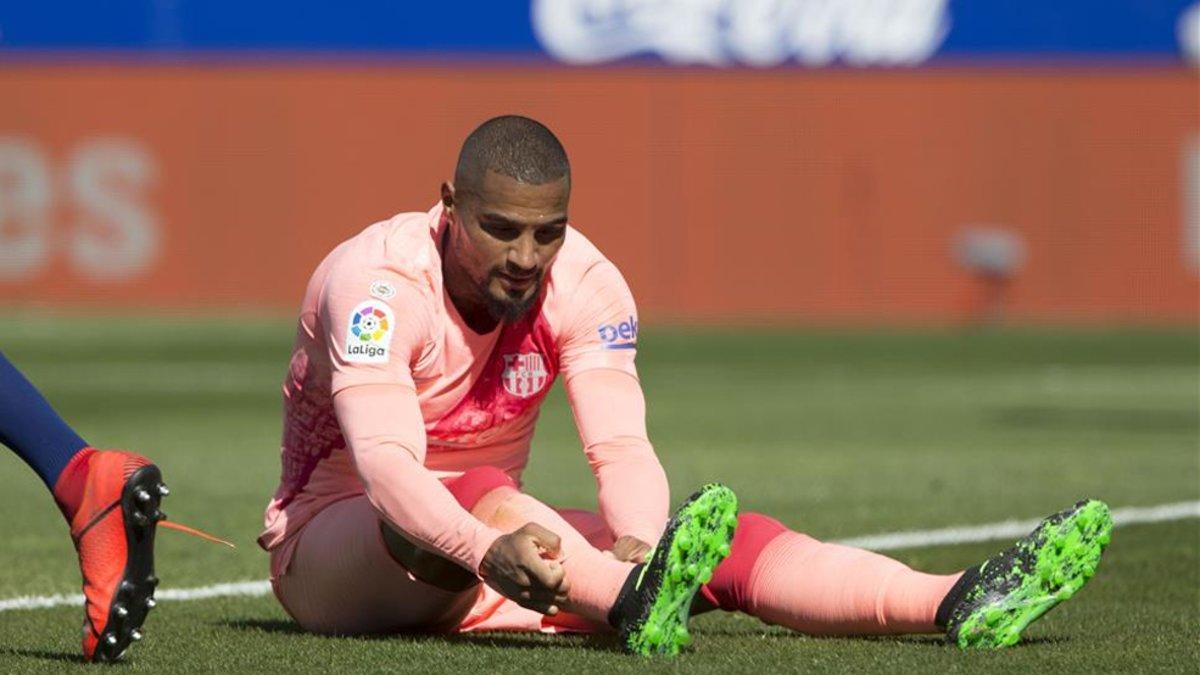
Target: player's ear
(448, 195)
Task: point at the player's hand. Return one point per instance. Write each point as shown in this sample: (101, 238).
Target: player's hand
(630, 549)
(522, 566)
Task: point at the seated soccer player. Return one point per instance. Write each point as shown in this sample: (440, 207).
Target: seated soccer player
(110, 498)
(424, 349)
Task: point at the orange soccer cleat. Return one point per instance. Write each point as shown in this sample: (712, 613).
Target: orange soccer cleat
(111, 499)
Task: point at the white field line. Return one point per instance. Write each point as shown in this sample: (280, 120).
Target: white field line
(1011, 529)
(1007, 529)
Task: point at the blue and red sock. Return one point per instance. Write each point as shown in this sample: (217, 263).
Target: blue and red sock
(31, 428)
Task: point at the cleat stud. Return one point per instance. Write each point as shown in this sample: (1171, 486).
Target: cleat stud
(111, 639)
(151, 603)
(121, 611)
(159, 515)
(142, 496)
(125, 587)
(162, 490)
(152, 580)
(140, 518)
(705, 576)
(724, 550)
(135, 635)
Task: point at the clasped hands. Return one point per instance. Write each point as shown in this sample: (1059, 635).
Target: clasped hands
(525, 566)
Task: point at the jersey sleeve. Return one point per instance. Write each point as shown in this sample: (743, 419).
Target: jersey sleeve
(632, 489)
(601, 330)
(376, 327)
(386, 437)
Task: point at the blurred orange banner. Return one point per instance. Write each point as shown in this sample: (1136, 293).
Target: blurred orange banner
(833, 196)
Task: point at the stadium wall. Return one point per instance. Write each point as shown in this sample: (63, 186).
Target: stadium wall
(833, 196)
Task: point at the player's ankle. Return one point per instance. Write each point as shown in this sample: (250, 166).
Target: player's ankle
(627, 590)
(954, 596)
(69, 488)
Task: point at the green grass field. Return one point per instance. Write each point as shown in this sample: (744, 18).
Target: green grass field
(838, 434)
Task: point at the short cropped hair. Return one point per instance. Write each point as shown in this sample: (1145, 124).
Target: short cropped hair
(515, 146)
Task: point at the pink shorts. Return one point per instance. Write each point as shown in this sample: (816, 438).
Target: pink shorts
(342, 580)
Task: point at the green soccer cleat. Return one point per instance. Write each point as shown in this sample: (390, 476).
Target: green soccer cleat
(1049, 565)
(652, 613)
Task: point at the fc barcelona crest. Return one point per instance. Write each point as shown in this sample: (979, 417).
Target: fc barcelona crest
(524, 374)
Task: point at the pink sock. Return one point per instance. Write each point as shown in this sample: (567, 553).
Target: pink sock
(595, 579)
(829, 589)
(793, 580)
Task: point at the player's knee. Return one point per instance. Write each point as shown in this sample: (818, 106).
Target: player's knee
(470, 487)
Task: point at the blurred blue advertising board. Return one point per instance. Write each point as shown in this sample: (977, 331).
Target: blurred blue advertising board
(689, 32)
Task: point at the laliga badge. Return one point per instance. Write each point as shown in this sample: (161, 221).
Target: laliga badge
(369, 333)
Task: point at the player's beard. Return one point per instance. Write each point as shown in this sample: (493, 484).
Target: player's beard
(509, 309)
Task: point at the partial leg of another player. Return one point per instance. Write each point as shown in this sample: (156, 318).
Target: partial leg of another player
(110, 499)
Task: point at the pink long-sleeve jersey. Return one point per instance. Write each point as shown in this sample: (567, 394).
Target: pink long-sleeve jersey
(388, 390)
